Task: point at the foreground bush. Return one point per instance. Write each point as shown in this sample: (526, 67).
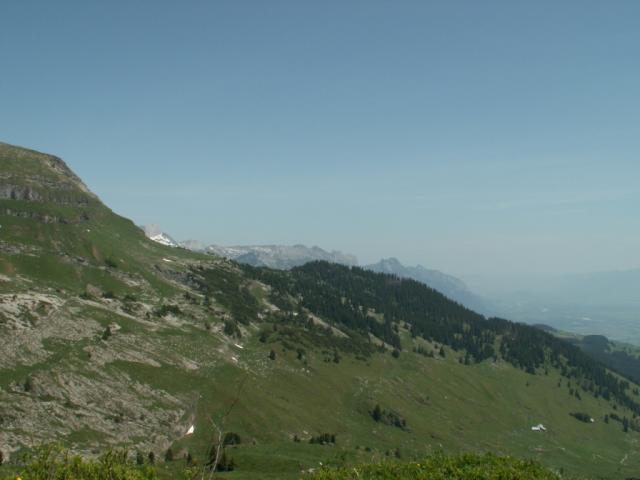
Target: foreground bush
(464, 467)
(55, 464)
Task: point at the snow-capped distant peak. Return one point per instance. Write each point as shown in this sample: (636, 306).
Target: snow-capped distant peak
(164, 240)
(153, 232)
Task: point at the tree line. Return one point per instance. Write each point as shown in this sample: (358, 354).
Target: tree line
(375, 303)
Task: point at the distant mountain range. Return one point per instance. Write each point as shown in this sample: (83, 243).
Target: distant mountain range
(110, 340)
(452, 287)
(282, 257)
(285, 257)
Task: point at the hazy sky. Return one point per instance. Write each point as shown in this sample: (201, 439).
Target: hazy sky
(470, 136)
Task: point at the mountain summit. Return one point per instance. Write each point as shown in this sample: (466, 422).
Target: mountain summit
(155, 233)
(109, 339)
(28, 175)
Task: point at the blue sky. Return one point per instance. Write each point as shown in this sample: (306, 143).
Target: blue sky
(494, 137)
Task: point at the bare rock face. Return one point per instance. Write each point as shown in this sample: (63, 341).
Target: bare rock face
(18, 192)
(37, 177)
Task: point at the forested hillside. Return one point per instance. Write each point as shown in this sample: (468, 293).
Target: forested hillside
(110, 340)
(377, 304)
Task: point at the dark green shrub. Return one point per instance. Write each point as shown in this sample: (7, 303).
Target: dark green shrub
(110, 262)
(583, 417)
(53, 463)
(166, 309)
(323, 439)
(28, 384)
(107, 333)
(226, 463)
(463, 467)
(168, 455)
(231, 329)
(231, 438)
(388, 417)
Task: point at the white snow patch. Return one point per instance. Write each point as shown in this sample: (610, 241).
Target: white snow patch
(163, 239)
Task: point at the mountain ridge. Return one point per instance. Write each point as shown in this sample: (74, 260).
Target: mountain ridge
(290, 256)
(449, 285)
(109, 339)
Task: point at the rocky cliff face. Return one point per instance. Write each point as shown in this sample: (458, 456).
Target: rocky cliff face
(71, 270)
(37, 177)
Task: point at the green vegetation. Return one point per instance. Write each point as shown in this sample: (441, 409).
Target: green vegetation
(168, 310)
(230, 290)
(348, 296)
(583, 417)
(388, 417)
(290, 355)
(55, 464)
(464, 467)
(324, 439)
(622, 358)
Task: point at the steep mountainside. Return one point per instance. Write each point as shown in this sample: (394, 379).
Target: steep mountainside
(108, 338)
(620, 357)
(285, 257)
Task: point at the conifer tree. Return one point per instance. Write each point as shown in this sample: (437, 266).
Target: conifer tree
(377, 413)
(168, 456)
(107, 333)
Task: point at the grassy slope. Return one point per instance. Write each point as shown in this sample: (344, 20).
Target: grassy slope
(90, 232)
(448, 406)
(481, 408)
(464, 467)
(622, 357)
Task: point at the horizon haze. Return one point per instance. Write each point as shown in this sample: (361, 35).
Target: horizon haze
(492, 140)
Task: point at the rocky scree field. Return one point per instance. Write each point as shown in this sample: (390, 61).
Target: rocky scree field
(109, 340)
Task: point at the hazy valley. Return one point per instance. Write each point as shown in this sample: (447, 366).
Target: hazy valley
(109, 339)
